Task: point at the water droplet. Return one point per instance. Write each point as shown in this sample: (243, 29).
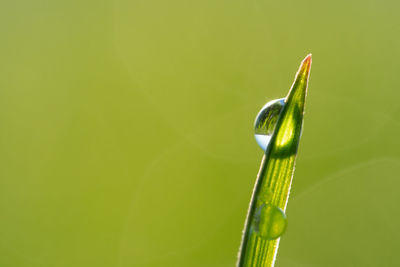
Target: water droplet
(265, 195)
(269, 221)
(266, 121)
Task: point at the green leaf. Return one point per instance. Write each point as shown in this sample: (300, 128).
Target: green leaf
(265, 219)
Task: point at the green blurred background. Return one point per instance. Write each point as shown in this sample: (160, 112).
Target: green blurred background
(126, 130)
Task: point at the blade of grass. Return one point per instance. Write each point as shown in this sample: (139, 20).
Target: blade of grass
(276, 172)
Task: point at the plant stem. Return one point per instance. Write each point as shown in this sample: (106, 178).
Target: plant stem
(276, 172)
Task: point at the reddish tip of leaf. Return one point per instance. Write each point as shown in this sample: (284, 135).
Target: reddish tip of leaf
(308, 58)
(306, 64)
(305, 67)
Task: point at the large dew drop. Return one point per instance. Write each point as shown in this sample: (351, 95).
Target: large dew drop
(266, 121)
(269, 222)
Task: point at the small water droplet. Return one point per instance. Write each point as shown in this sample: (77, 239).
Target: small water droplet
(266, 121)
(269, 221)
(265, 195)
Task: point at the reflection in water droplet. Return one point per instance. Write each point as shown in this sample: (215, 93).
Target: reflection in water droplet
(269, 222)
(266, 120)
